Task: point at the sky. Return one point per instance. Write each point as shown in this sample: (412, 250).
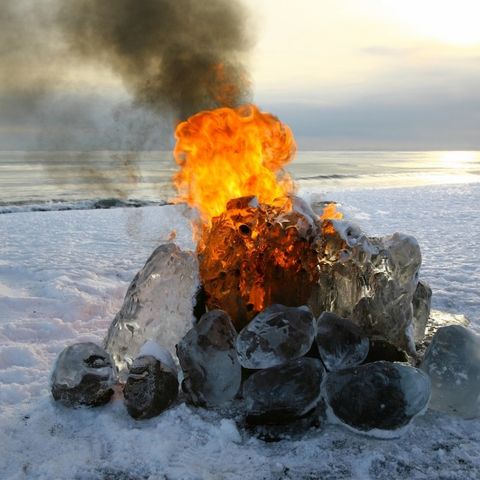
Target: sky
(344, 74)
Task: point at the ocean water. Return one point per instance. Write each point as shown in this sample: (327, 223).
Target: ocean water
(78, 180)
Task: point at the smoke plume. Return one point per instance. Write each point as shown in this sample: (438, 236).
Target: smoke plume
(183, 55)
(63, 64)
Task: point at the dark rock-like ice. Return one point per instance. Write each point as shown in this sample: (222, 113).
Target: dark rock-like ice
(381, 349)
(377, 398)
(212, 373)
(453, 363)
(83, 375)
(158, 305)
(284, 393)
(275, 336)
(151, 387)
(341, 343)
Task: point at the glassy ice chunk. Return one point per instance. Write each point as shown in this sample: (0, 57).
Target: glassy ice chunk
(83, 375)
(158, 305)
(376, 397)
(284, 393)
(453, 363)
(341, 343)
(437, 320)
(422, 300)
(275, 336)
(371, 281)
(212, 373)
(151, 387)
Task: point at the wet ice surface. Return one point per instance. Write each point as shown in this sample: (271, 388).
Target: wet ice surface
(83, 375)
(453, 363)
(209, 362)
(340, 343)
(378, 398)
(275, 336)
(158, 305)
(65, 283)
(283, 393)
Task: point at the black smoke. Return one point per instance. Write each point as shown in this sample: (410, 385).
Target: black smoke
(184, 55)
(173, 58)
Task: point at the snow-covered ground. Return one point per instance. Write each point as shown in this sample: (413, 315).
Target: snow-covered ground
(62, 278)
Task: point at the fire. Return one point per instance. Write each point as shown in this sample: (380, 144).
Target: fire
(230, 153)
(330, 212)
(257, 244)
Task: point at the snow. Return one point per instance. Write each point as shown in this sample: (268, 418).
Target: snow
(158, 352)
(63, 276)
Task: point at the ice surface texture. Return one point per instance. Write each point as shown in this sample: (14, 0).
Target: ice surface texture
(377, 396)
(212, 373)
(422, 301)
(453, 363)
(158, 305)
(371, 281)
(283, 393)
(151, 387)
(275, 336)
(340, 343)
(83, 375)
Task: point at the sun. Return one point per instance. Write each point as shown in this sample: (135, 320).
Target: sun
(450, 21)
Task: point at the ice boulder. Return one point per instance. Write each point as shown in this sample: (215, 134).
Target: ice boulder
(340, 343)
(212, 373)
(151, 387)
(285, 393)
(83, 375)
(158, 305)
(452, 361)
(377, 398)
(370, 281)
(276, 335)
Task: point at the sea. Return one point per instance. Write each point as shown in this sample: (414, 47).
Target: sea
(66, 180)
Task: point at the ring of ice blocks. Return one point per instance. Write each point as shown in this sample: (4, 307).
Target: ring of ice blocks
(347, 357)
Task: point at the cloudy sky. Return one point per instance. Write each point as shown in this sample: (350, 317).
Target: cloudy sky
(344, 74)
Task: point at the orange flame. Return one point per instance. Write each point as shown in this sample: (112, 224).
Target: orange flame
(330, 212)
(230, 153)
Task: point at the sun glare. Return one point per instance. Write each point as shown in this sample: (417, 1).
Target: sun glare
(457, 159)
(449, 21)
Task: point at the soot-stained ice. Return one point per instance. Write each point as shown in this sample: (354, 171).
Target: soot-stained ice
(283, 393)
(340, 343)
(377, 397)
(151, 387)
(83, 375)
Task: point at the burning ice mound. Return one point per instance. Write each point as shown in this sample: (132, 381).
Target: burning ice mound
(158, 305)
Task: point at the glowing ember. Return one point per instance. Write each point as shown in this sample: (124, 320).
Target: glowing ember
(230, 153)
(330, 212)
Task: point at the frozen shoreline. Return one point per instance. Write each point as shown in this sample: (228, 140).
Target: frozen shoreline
(63, 276)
